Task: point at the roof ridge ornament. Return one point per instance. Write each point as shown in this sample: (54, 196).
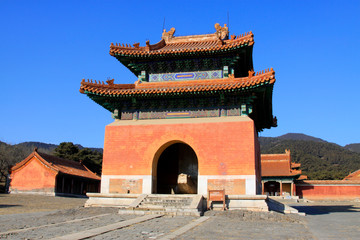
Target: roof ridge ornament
(222, 32)
(168, 35)
(251, 73)
(110, 82)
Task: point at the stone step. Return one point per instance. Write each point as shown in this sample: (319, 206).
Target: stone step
(162, 206)
(152, 206)
(167, 211)
(169, 200)
(166, 202)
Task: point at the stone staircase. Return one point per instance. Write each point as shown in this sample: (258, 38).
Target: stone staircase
(185, 204)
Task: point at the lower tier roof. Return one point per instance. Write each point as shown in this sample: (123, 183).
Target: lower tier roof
(257, 87)
(266, 77)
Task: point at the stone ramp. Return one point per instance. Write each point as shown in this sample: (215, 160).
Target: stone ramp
(186, 204)
(278, 206)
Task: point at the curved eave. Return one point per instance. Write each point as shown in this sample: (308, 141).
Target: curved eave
(266, 77)
(261, 85)
(177, 92)
(27, 160)
(167, 54)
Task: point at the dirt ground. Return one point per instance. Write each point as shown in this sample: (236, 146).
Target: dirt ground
(26, 203)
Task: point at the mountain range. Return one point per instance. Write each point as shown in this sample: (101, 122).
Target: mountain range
(319, 159)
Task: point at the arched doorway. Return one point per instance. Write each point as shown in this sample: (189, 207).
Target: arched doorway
(178, 158)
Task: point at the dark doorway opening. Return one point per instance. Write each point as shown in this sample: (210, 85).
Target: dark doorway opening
(178, 158)
(272, 188)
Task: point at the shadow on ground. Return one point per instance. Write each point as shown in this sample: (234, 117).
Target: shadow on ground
(324, 209)
(8, 205)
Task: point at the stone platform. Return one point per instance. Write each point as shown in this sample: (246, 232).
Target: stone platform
(173, 204)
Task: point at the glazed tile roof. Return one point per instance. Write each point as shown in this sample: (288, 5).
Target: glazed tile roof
(58, 165)
(278, 165)
(353, 176)
(139, 88)
(186, 44)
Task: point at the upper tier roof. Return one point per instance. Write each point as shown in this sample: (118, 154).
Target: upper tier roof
(278, 165)
(58, 165)
(150, 88)
(170, 45)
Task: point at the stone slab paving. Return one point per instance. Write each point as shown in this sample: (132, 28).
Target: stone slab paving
(332, 220)
(64, 228)
(153, 229)
(185, 228)
(324, 220)
(30, 220)
(50, 225)
(250, 225)
(86, 234)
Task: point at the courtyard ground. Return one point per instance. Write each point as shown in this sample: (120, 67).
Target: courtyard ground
(44, 217)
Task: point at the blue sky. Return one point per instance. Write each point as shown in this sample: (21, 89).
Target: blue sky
(47, 47)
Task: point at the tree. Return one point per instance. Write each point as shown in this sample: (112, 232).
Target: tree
(91, 159)
(9, 156)
(67, 150)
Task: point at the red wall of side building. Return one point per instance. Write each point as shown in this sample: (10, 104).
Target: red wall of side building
(33, 176)
(328, 190)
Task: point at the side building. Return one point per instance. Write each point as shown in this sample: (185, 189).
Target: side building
(46, 174)
(279, 173)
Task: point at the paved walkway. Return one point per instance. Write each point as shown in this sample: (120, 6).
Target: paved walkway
(332, 220)
(324, 220)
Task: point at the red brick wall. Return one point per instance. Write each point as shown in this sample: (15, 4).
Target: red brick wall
(231, 186)
(328, 191)
(34, 176)
(125, 186)
(222, 148)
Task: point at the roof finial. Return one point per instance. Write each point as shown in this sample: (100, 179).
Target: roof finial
(35, 149)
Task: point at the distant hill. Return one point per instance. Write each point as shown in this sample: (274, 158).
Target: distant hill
(319, 159)
(28, 147)
(299, 136)
(355, 147)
